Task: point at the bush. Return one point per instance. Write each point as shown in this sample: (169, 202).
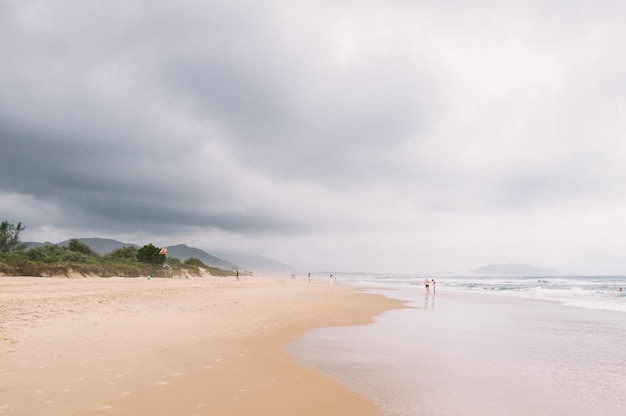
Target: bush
(149, 254)
(48, 253)
(80, 247)
(128, 253)
(193, 262)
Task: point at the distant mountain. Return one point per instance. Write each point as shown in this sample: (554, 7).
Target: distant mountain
(256, 263)
(180, 251)
(225, 261)
(516, 269)
(183, 252)
(100, 245)
(34, 244)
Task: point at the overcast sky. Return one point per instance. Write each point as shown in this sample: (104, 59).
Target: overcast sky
(383, 136)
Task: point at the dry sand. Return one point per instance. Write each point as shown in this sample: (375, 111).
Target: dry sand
(199, 346)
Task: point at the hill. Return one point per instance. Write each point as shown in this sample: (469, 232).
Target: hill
(181, 251)
(100, 245)
(256, 263)
(516, 269)
(184, 252)
(226, 260)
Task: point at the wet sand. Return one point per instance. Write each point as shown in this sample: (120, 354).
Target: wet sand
(199, 346)
(458, 354)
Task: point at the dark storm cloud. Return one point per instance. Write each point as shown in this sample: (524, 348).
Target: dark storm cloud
(89, 93)
(118, 186)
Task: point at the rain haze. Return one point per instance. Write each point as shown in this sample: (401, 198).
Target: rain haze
(395, 137)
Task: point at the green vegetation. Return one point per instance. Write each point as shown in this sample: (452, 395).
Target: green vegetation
(79, 258)
(149, 254)
(194, 266)
(10, 237)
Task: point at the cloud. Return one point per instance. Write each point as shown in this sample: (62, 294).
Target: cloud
(396, 136)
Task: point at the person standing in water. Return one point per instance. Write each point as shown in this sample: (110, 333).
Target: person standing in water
(427, 284)
(433, 282)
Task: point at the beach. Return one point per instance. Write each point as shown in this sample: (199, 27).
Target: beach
(198, 346)
(279, 346)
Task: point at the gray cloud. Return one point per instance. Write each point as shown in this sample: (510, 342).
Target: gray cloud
(350, 135)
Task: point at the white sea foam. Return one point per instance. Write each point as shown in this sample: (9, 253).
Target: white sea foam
(600, 305)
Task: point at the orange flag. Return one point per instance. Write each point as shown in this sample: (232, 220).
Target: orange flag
(163, 250)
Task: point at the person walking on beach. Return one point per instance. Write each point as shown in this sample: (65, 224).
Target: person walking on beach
(237, 278)
(433, 282)
(309, 278)
(331, 279)
(426, 284)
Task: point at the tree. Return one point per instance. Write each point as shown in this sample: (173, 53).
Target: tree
(149, 254)
(80, 247)
(10, 237)
(128, 253)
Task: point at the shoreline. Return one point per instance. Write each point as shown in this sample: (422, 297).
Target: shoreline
(198, 346)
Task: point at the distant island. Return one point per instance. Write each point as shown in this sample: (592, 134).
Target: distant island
(516, 269)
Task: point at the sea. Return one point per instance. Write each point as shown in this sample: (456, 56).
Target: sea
(483, 345)
(591, 292)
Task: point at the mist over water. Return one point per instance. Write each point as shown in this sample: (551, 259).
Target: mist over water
(460, 352)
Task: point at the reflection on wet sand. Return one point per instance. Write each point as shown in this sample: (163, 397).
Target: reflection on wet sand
(429, 302)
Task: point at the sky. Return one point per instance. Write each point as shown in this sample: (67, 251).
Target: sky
(387, 136)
